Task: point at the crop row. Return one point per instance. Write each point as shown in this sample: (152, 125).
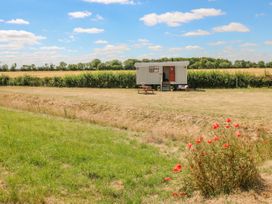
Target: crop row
(202, 79)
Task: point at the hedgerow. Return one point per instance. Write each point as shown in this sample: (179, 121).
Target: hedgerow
(202, 79)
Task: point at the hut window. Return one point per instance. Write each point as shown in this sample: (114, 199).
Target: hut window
(154, 69)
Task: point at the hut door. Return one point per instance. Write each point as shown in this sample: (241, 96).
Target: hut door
(172, 74)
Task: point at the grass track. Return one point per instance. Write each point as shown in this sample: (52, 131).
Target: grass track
(51, 160)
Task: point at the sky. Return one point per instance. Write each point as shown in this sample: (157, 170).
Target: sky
(50, 31)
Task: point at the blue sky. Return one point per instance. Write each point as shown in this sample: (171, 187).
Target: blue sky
(39, 31)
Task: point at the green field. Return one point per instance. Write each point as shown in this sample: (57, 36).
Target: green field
(51, 160)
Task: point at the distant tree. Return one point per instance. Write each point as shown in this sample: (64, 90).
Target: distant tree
(33, 67)
(80, 66)
(210, 65)
(269, 64)
(95, 63)
(129, 64)
(13, 67)
(5, 67)
(101, 66)
(62, 66)
(261, 64)
(114, 65)
(72, 67)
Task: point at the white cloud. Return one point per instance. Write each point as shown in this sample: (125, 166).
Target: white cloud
(177, 18)
(110, 51)
(89, 30)
(69, 39)
(268, 42)
(79, 14)
(248, 44)
(113, 48)
(196, 33)
(217, 43)
(232, 27)
(142, 42)
(193, 47)
(111, 1)
(259, 14)
(98, 18)
(50, 48)
(17, 21)
(17, 39)
(99, 42)
(155, 47)
(188, 48)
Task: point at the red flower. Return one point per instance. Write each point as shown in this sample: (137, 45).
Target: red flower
(199, 140)
(226, 145)
(227, 126)
(177, 168)
(167, 179)
(216, 126)
(236, 125)
(175, 194)
(238, 134)
(216, 138)
(228, 120)
(210, 141)
(189, 145)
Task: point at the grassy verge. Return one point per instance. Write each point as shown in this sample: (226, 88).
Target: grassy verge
(49, 160)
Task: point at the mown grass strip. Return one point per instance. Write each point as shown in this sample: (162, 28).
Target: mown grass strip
(49, 159)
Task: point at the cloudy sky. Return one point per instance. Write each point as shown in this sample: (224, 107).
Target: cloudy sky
(50, 31)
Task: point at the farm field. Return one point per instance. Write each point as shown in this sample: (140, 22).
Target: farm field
(157, 125)
(41, 74)
(175, 115)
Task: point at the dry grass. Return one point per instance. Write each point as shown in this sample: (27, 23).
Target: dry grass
(172, 115)
(256, 71)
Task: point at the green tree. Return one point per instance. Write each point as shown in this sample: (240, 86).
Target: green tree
(261, 64)
(13, 67)
(129, 63)
(62, 66)
(95, 63)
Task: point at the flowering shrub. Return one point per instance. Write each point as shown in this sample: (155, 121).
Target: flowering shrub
(221, 162)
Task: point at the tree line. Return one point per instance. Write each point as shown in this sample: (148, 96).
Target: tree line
(129, 64)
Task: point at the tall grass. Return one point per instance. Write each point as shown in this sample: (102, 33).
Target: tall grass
(223, 162)
(201, 79)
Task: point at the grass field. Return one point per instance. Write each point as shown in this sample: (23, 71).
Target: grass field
(255, 71)
(166, 121)
(175, 115)
(49, 160)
